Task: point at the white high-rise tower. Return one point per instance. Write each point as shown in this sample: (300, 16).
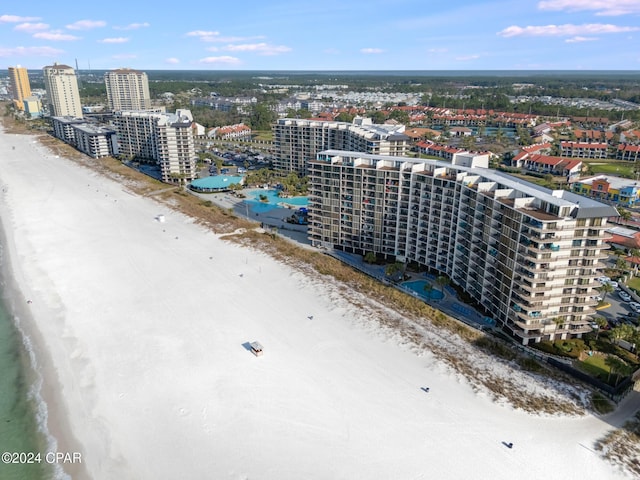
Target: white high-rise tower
(127, 90)
(63, 95)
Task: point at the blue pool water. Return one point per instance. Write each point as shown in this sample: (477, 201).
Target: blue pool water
(215, 183)
(417, 286)
(273, 200)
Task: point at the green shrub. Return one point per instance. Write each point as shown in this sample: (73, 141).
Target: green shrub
(601, 404)
(530, 364)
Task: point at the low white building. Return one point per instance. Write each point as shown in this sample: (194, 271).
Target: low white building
(95, 141)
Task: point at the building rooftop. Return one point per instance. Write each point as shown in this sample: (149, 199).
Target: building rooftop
(581, 207)
(616, 183)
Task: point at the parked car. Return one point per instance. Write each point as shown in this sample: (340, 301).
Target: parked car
(624, 296)
(603, 279)
(635, 306)
(613, 284)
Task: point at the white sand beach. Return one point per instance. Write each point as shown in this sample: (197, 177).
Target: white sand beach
(146, 325)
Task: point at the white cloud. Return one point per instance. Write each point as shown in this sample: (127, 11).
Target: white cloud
(371, 50)
(17, 19)
(566, 30)
(203, 35)
(601, 7)
(86, 24)
(133, 26)
(55, 36)
(223, 59)
(172, 61)
(234, 39)
(114, 40)
(30, 51)
(31, 27)
(580, 39)
(438, 50)
(466, 58)
(260, 48)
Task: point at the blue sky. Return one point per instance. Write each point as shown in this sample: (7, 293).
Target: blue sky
(324, 35)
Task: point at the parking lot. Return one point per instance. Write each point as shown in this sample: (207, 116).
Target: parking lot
(625, 307)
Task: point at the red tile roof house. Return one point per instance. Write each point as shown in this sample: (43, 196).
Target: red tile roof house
(539, 148)
(231, 132)
(634, 262)
(628, 152)
(461, 131)
(442, 151)
(566, 167)
(592, 135)
(624, 238)
(584, 150)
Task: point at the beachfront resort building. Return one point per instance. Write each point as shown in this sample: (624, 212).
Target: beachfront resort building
(528, 255)
(95, 141)
(63, 96)
(156, 137)
(127, 90)
(20, 87)
(298, 141)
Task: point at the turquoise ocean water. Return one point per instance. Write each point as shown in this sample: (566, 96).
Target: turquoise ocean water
(20, 408)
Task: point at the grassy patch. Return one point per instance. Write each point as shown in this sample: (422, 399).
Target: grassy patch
(634, 283)
(595, 367)
(565, 348)
(262, 135)
(620, 169)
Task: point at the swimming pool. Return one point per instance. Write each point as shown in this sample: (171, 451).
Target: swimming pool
(417, 286)
(272, 200)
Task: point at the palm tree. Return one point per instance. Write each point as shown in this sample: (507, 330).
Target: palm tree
(617, 366)
(635, 256)
(370, 257)
(428, 288)
(601, 322)
(606, 288)
(395, 270)
(442, 282)
(624, 214)
(621, 263)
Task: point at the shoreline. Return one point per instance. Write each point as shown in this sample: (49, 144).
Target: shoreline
(145, 325)
(42, 375)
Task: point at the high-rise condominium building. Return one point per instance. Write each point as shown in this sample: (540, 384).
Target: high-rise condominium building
(127, 90)
(526, 254)
(63, 96)
(163, 138)
(20, 88)
(297, 142)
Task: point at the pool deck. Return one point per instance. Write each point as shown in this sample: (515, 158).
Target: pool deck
(273, 219)
(450, 304)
